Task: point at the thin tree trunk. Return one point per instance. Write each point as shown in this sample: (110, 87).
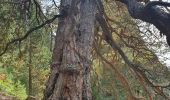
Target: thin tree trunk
(30, 67)
(70, 69)
(30, 89)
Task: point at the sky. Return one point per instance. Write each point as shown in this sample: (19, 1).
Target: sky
(162, 50)
(164, 57)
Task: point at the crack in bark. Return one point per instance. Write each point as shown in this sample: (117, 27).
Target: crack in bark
(53, 85)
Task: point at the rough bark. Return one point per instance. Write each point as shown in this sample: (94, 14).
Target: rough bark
(151, 13)
(69, 78)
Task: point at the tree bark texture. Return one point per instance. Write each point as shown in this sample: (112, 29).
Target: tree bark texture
(151, 13)
(70, 69)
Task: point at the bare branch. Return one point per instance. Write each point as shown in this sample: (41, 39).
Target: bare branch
(39, 10)
(55, 4)
(29, 32)
(138, 69)
(120, 76)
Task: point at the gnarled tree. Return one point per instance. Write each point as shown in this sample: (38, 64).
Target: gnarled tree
(69, 78)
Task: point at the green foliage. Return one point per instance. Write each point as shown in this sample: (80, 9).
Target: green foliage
(95, 93)
(105, 84)
(10, 87)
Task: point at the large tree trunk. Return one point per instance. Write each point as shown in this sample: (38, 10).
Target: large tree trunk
(69, 78)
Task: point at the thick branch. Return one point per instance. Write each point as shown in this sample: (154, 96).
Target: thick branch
(151, 14)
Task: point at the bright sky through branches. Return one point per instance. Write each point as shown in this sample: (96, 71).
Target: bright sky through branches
(163, 52)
